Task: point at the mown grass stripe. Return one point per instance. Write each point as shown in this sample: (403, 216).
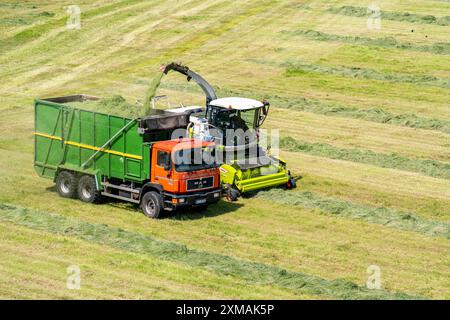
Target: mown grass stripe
(379, 215)
(36, 31)
(298, 68)
(427, 167)
(378, 115)
(255, 273)
(295, 68)
(386, 42)
(25, 19)
(354, 11)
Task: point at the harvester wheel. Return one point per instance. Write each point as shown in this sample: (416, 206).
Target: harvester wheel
(232, 194)
(291, 184)
(152, 204)
(87, 190)
(66, 184)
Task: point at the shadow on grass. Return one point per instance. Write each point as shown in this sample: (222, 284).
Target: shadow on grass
(217, 209)
(191, 213)
(51, 189)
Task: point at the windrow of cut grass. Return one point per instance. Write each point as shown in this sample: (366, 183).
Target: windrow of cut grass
(298, 67)
(442, 48)
(25, 19)
(375, 114)
(355, 11)
(372, 185)
(35, 31)
(380, 215)
(253, 273)
(432, 168)
(34, 266)
(294, 68)
(93, 48)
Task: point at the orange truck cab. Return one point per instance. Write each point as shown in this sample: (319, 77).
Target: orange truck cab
(184, 173)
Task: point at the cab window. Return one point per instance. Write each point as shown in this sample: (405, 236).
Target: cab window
(163, 159)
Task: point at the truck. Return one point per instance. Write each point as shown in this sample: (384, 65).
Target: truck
(92, 155)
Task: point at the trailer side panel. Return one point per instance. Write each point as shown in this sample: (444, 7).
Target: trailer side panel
(87, 141)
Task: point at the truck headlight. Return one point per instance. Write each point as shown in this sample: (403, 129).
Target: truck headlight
(216, 194)
(181, 200)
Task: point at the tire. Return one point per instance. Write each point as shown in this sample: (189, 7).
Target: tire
(291, 184)
(66, 184)
(152, 204)
(232, 194)
(87, 190)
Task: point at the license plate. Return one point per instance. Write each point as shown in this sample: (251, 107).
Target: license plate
(200, 201)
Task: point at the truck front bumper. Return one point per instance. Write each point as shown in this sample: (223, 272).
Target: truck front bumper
(192, 199)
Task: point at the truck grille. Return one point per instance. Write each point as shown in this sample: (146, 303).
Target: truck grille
(200, 183)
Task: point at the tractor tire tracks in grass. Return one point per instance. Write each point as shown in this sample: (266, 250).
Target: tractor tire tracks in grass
(251, 272)
(379, 215)
(386, 42)
(432, 168)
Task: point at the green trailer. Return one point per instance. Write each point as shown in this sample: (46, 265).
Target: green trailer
(87, 141)
(90, 154)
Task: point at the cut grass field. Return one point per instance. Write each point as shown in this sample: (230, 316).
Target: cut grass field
(368, 117)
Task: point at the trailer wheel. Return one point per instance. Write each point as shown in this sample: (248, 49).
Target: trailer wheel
(66, 184)
(87, 190)
(152, 204)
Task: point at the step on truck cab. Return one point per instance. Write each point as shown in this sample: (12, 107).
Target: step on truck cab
(91, 155)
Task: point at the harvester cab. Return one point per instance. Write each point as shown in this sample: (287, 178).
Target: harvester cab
(238, 115)
(233, 124)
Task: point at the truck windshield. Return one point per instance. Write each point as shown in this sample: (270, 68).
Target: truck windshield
(194, 159)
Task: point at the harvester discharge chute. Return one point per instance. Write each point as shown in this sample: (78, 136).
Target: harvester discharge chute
(233, 124)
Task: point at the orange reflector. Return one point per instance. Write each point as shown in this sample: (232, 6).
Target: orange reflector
(174, 200)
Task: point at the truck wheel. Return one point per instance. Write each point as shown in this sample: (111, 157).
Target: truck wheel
(87, 190)
(66, 184)
(152, 204)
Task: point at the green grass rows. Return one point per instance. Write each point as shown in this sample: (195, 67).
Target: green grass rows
(387, 42)
(392, 15)
(294, 68)
(252, 272)
(388, 217)
(427, 167)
